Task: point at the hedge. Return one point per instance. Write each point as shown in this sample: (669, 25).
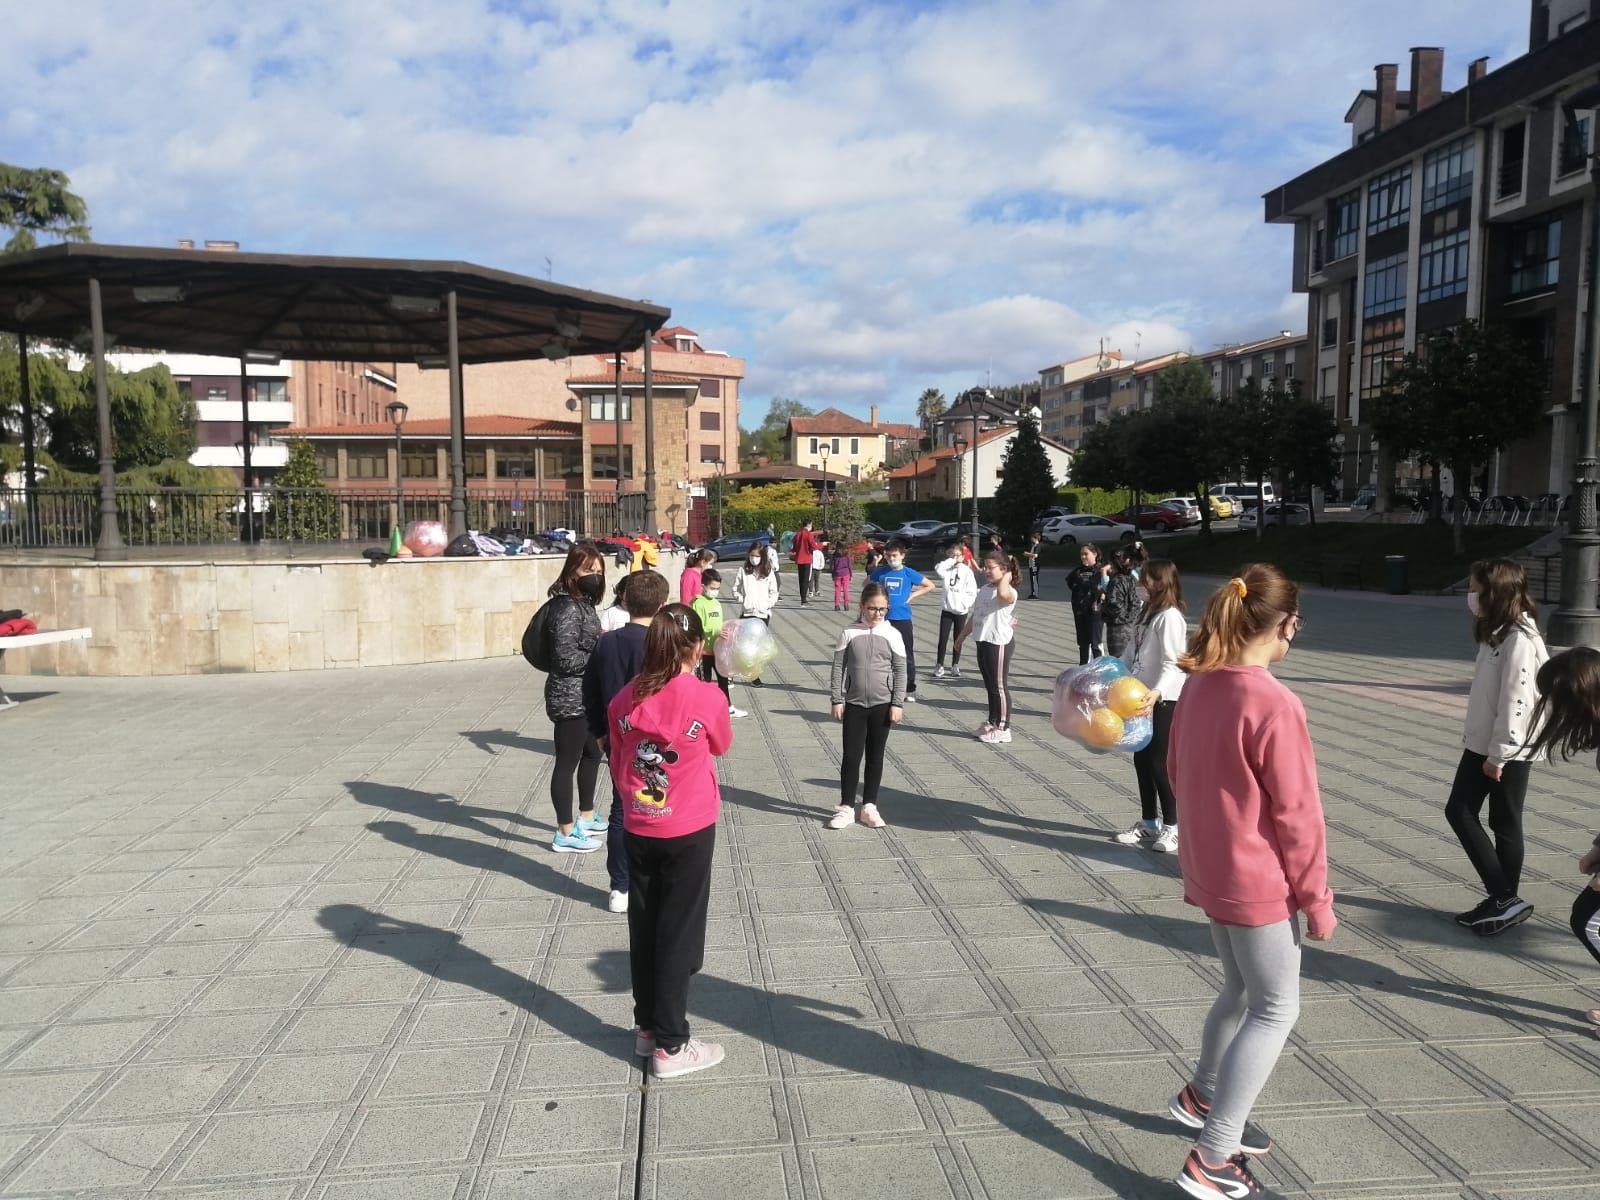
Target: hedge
(891, 514)
(1095, 501)
(754, 520)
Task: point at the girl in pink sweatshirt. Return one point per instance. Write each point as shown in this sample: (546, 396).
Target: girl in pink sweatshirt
(1254, 857)
(666, 729)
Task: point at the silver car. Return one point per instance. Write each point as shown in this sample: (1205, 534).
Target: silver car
(1278, 514)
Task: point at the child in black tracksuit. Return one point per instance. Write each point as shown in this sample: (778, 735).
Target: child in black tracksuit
(1083, 585)
(1120, 604)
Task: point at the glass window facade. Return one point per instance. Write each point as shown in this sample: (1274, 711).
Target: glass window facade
(1442, 267)
(367, 464)
(1535, 255)
(603, 407)
(327, 460)
(1447, 174)
(1345, 228)
(1389, 200)
(1384, 289)
(1383, 347)
(419, 463)
(603, 462)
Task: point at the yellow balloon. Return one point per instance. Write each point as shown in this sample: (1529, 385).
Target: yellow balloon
(1127, 697)
(1101, 727)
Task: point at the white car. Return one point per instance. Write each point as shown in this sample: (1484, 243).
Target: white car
(914, 529)
(1085, 527)
(1184, 504)
(1278, 514)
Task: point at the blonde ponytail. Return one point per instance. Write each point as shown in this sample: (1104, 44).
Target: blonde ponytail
(1239, 611)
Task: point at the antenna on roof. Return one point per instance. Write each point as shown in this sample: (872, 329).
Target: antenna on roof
(549, 268)
(1138, 341)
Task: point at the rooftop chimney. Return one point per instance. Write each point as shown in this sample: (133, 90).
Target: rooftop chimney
(185, 243)
(1427, 77)
(1387, 73)
(1477, 69)
(874, 420)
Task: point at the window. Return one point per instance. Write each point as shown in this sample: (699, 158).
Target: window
(1385, 286)
(1571, 23)
(1330, 383)
(1288, 370)
(855, 470)
(1319, 242)
(835, 449)
(1268, 368)
(1383, 347)
(1574, 147)
(814, 445)
(1447, 175)
(1535, 255)
(1344, 225)
(1330, 332)
(603, 407)
(711, 388)
(1389, 200)
(566, 462)
(1442, 267)
(419, 463)
(710, 422)
(855, 445)
(327, 460)
(269, 391)
(216, 393)
(367, 464)
(710, 452)
(513, 464)
(603, 462)
(476, 464)
(1513, 148)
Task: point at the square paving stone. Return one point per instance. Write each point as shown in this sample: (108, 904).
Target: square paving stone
(1134, 1084)
(1534, 1068)
(933, 996)
(802, 928)
(738, 1116)
(969, 1039)
(409, 1187)
(184, 1090)
(35, 1099)
(900, 926)
(1016, 1097)
(211, 1037)
(1356, 1150)
(429, 1133)
(350, 1028)
(749, 1176)
(847, 1107)
(1148, 985)
(983, 922)
(566, 1124)
(1042, 951)
(202, 958)
(248, 1144)
(883, 895)
(283, 1079)
(137, 998)
(831, 1047)
(1328, 1022)
(1050, 1164)
(458, 1071)
(1401, 1073)
(1491, 1141)
(89, 1160)
(464, 1020)
(1107, 1031)
(797, 964)
(1051, 989)
(781, 900)
(874, 1172)
(67, 966)
(592, 1181)
(343, 985)
(239, 993)
(918, 958)
(101, 1043)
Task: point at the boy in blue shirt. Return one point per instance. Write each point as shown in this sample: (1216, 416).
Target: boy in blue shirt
(903, 585)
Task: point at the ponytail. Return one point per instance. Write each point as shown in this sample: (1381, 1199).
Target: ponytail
(1241, 610)
(1005, 560)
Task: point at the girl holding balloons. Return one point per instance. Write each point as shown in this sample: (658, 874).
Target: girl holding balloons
(1160, 633)
(994, 625)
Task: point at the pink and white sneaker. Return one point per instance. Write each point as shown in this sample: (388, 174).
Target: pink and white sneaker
(995, 737)
(870, 818)
(690, 1057)
(985, 729)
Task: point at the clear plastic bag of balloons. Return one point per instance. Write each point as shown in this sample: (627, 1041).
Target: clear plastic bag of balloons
(427, 539)
(1098, 705)
(747, 651)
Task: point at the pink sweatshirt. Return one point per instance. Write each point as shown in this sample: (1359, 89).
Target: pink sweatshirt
(1254, 845)
(661, 755)
(690, 585)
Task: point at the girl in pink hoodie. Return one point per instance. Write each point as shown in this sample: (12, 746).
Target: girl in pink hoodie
(1254, 857)
(667, 728)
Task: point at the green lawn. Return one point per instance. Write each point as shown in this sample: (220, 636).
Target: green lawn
(1299, 550)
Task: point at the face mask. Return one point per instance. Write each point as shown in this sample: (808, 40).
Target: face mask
(714, 592)
(1473, 604)
(591, 587)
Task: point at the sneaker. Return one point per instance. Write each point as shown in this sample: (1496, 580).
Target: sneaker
(955, 672)
(842, 816)
(1230, 1181)
(735, 712)
(984, 729)
(593, 824)
(995, 737)
(617, 902)
(575, 842)
(757, 683)
(1507, 914)
(911, 697)
(939, 672)
(1485, 911)
(644, 1042)
(690, 1057)
(1140, 833)
(1191, 1110)
(870, 817)
(1166, 842)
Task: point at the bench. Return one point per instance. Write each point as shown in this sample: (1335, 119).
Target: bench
(1337, 567)
(43, 638)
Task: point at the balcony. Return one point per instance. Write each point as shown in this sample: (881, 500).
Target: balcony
(265, 456)
(262, 412)
(1508, 180)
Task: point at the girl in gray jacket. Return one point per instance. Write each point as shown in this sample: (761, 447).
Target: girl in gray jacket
(869, 695)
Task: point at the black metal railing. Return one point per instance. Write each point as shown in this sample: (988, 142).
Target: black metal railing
(1508, 180)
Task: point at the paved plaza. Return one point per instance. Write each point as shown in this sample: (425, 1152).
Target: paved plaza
(300, 937)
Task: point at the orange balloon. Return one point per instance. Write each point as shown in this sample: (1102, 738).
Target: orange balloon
(1127, 696)
(1101, 727)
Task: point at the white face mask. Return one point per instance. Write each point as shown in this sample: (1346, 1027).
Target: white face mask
(713, 592)
(1472, 604)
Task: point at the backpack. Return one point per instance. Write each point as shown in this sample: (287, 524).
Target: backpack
(536, 637)
(461, 546)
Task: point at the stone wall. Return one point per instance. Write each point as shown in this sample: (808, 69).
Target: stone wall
(196, 618)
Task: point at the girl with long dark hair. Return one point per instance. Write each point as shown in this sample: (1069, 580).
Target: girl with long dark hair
(573, 630)
(994, 627)
(1160, 633)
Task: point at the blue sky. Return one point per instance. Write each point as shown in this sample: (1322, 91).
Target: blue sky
(863, 200)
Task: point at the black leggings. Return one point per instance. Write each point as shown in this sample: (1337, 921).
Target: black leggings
(994, 663)
(866, 731)
(1150, 765)
(576, 752)
(709, 672)
(907, 637)
(950, 627)
(1091, 633)
(667, 904)
(1586, 920)
(1498, 862)
(804, 571)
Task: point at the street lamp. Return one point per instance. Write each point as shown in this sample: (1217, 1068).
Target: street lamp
(916, 463)
(977, 540)
(716, 480)
(397, 410)
(961, 477)
(825, 483)
(1577, 621)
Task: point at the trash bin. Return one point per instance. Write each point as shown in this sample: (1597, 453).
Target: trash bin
(1397, 574)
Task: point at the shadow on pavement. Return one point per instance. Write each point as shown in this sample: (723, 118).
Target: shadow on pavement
(487, 739)
(432, 807)
(470, 853)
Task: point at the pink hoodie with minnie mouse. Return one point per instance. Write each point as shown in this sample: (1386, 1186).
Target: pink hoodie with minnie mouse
(662, 752)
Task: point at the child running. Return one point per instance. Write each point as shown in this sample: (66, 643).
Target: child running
(843, 571)
(708, 607)
(959, 585)
(1083, 586)
(994, 626)
(1495, 764)
(1255, 858)
(756, 589)
(1161, 633)
(666, 728)
(903, 585)
(868, 694)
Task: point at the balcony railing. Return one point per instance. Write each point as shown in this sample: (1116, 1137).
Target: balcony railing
(69, 517)
(1508, 180)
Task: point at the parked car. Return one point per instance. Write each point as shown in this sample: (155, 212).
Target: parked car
(1046, 515)
(1222, 507)
(1085, 527)
(947, 532)
(911, 529)
(1157, 518)
(1183, 504)
(736, 545)
(1243, 495)
(1278, 514)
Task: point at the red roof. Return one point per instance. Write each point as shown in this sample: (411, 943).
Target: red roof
(831, 420)
(929, 461)
(903, 432)
(495, 425)
(631, 376)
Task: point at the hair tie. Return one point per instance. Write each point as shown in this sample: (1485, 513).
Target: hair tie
(1238, 586)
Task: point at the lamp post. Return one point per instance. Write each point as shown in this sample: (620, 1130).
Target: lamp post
(961, 477)
(825, 446)
(397, 410)
(1577, 621)
(916, 464)
(977, 540)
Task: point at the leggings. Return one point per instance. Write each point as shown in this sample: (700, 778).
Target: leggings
(841, 590)
(1498, 862)
(709, 672)
(950, 627)
(911, 654)
(1247, 1026)
(1150, 765)
(1033, 581)
(576, 752)
(667, 927)
(804, 571)
(866, 731)
(1586, 920)
(994, 663)
(1090, 632)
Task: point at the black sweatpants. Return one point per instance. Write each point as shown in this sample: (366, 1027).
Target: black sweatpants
(1586, 920)
(576, 753)
(1498, 862)
(994, 664)
(911, 654)
(950, 627)
(805, 581)
(866, 732)
(1091, 633)
(667, 928)
(709, 672)
(1156, 798)
(1033, 581)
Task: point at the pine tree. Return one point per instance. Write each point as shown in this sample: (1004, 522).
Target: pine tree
(302, 508)
(1027, 483)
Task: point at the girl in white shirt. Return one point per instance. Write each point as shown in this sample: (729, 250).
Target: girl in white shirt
(1161, 634)
(960, 588)
(994, 626)
(756, 589)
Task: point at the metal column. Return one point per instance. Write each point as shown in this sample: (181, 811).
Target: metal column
(244, 419)
(458, 422)
(30, 462)
(110, 545)
(650, 519)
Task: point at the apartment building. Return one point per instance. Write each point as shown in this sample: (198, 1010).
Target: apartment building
(1055, 386)
(1451, 205)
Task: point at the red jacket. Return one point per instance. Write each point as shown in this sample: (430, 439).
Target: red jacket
(804, 543)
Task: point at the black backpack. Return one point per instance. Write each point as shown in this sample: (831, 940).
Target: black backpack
(536, 637)
(462, 546)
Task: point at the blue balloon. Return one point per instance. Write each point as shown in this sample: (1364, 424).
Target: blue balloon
(1136, 734)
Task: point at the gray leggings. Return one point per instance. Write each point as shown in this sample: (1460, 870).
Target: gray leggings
(1247, 1026)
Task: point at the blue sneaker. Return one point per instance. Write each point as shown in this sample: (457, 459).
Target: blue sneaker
(576, 842)
(594, 824)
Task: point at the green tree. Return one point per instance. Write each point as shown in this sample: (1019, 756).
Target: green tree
(1466, 393)
(770, 439)
(302, 508)
(37, 200)
(843, 516)
(1103, 459)
(794, 494)
(1304, 450)
(151, 420)
(1249, 416)
(931, 405)
(1027, 484)
(1192, 441)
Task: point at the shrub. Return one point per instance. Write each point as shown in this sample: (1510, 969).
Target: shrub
(1094, 501)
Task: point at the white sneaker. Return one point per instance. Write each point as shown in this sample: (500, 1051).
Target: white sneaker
(870, 817)
(995, 737)
(955, 672)
(736, 713)
(1137, 834)
(617, 902)
(691, 1056)
(939, 672)
(1166, 841)
(842, 816)
(985, 730)
(911, 697)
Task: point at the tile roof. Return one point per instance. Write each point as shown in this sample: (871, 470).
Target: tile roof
(492, 425)
(930, 460)
(631, 376)
(831, 420)
(896, 429)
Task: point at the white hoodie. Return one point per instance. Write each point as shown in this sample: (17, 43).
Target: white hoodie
(959, 583)
(756, 595)
(1161, 640)
(1503, 694)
